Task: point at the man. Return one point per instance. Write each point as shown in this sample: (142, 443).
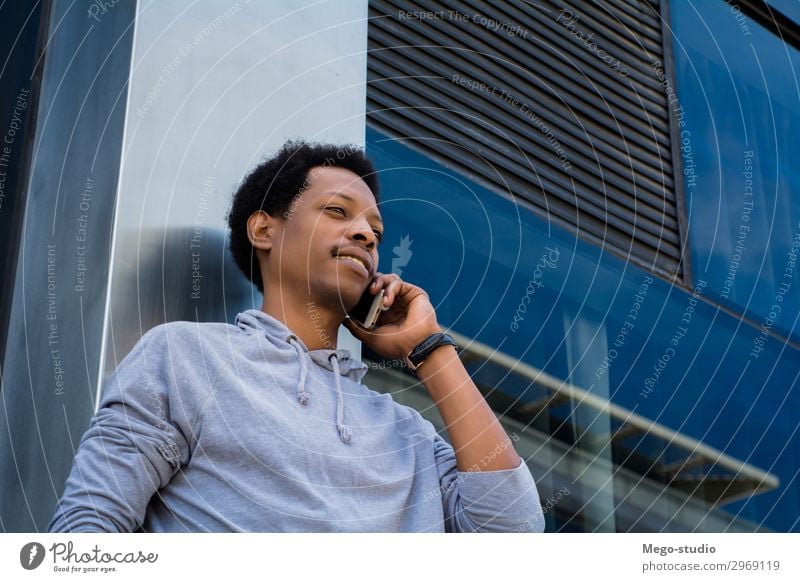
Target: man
(265, 425)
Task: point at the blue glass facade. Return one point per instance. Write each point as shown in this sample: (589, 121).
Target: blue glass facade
(665, 352)
(738, 85)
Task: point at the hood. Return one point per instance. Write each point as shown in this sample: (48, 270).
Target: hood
(340, 362)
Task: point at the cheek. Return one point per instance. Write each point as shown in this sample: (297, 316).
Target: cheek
(312, 250)
(294, 257)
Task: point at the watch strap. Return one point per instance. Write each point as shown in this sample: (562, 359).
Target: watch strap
(417, 356)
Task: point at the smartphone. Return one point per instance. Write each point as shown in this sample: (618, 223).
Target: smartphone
(368, 309)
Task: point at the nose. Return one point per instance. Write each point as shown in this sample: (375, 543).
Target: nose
(364, 235)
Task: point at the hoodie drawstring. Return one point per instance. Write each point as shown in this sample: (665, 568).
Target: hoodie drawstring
(302, 395)
(345, 432)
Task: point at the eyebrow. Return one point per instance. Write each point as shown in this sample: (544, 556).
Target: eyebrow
(351, 199)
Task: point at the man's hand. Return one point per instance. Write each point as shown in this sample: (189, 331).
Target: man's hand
(409, 320)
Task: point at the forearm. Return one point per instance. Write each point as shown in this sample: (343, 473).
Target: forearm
(479, 441)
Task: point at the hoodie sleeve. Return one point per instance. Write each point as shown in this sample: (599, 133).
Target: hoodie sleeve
(487, 501)
(132, 448)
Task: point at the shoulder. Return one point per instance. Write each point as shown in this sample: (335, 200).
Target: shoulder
(177, 354)
(182, 334)
(197, 328)
(179, 343)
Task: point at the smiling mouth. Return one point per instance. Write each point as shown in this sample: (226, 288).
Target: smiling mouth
(355, 261)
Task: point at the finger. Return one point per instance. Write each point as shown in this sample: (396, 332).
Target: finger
(407, 293)
(384, 280)
(392, 290)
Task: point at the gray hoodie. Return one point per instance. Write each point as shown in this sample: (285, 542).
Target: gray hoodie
(211, 427)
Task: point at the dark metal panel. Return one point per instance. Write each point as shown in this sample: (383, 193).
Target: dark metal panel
(23, 32)
(603, 139)
(639, 69)
(547, 55)
(597, 122)
(614, 209)
(626, 52)
(616, 176)
(53, 354)
(613, 129)
(681, 209)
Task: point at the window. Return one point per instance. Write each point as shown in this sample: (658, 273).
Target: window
(567, 109)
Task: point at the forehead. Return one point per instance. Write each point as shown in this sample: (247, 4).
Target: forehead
(341, 184)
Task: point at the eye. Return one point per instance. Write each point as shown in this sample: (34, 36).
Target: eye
(378, 234)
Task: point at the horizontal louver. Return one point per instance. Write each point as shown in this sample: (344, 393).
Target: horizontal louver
(583, 136)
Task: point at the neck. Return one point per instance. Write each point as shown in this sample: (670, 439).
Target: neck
(312, 322)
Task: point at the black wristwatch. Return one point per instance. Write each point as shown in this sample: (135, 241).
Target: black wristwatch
(417, 356)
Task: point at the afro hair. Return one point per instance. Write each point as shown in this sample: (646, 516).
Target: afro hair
(274, 185)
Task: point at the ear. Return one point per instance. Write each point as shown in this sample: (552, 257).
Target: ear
(261, 230)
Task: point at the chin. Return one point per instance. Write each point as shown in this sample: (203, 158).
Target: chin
(342, 297)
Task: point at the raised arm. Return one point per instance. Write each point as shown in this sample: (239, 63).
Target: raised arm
(485, 484)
